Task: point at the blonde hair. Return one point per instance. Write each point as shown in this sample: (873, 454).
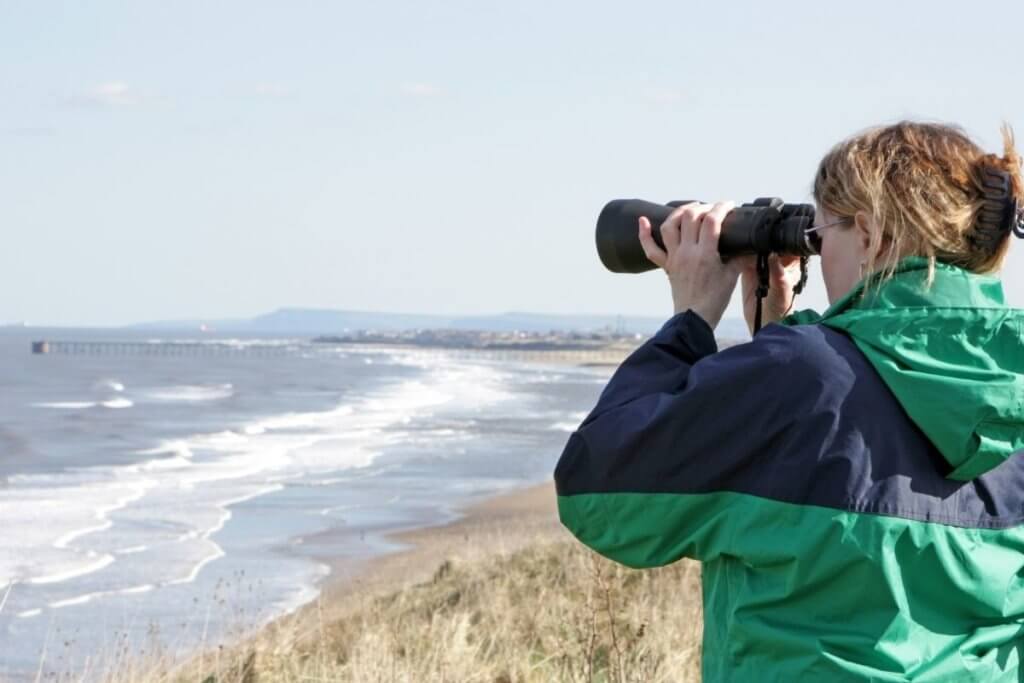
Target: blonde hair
(924, 186)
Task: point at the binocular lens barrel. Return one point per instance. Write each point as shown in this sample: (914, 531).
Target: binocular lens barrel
(764, 226)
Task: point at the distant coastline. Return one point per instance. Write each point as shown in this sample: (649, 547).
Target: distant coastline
(345, 323)
(353, 326)
(490, 340)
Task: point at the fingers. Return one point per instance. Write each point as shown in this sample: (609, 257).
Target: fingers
(670, 230)
(689, 221)
(681, 226)
(696, 223)
(652, 251)
(710, 225)
(691, 224)
(783, 266)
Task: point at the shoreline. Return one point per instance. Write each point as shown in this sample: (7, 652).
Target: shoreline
(366, 565)
(502, 593)
(483, 532)
(513, 519)
(233, 604)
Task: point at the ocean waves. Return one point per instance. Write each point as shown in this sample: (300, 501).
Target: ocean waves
(90, 532)
(257, 458)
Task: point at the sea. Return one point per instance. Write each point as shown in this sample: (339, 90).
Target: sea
(163, 502)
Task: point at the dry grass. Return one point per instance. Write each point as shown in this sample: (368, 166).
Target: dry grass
(547, 611)
(503, 595)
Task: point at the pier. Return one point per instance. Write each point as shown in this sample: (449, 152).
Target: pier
(594, 356)
(158, 348)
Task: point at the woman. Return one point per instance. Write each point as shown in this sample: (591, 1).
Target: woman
(846, 479)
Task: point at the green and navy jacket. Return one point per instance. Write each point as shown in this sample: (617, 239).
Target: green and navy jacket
(848, 481)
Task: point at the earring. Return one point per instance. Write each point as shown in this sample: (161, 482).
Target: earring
(863, 264)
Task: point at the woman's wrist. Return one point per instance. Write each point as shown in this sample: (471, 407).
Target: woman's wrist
(706, 313)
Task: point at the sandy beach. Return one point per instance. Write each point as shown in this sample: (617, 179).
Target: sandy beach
(503, 593)
(500, 525)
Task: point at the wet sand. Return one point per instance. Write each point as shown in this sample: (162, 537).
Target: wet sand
(494, 527)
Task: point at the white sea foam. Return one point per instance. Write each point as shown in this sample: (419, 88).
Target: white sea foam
(176, 447)
(77, 600)
(297, 420)
(66, 405)
(109, 385)
(66, 539)
(89, 597)
(132, 550)
(117, 403)
(68, 528)
(215, 554)
(46, 517)
(94, 565)
(176, 462)
(190, 392)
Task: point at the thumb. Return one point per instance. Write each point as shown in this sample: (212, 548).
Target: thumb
(745, 263)
(784, 266)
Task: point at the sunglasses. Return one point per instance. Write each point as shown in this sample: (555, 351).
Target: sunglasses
(827, 225)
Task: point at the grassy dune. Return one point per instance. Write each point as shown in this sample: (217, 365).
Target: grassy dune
(501, 597)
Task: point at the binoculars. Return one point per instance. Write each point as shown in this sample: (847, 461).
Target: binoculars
(767, 225)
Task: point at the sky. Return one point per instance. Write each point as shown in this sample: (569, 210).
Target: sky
(201, 159)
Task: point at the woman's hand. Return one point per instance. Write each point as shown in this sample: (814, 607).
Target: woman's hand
(783, 275)
(699, 279)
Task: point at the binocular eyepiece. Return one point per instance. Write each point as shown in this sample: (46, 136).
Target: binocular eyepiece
(767, 225)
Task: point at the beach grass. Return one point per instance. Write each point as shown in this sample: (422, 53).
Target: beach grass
(499, 597)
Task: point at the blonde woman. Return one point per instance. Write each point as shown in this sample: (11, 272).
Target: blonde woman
(848, 479)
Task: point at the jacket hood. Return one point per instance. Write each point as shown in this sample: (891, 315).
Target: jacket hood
(953, 356)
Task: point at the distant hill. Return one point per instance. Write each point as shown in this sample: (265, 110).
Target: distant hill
(303, 321)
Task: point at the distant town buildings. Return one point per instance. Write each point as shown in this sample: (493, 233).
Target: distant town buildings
(490, 341)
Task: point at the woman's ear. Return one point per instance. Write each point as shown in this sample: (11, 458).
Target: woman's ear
(866, 226)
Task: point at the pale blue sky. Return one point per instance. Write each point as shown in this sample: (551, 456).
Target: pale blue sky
(221, 159)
